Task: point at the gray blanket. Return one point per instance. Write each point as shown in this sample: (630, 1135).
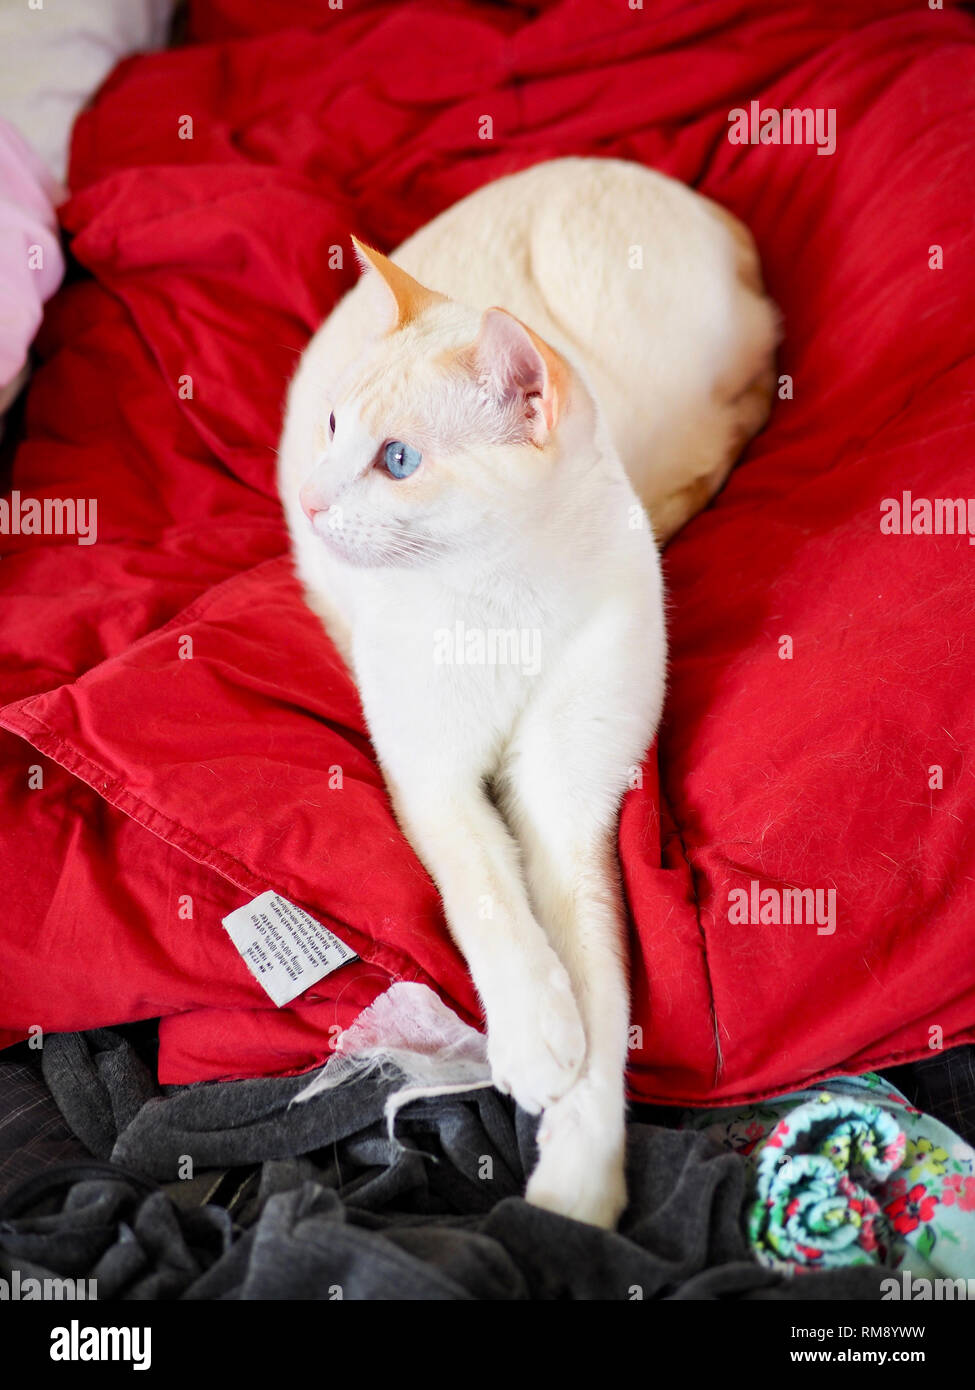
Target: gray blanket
(221, 1191)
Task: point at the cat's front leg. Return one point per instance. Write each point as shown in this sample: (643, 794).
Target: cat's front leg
(582, 1136)
(536, 1040)
(564, 776)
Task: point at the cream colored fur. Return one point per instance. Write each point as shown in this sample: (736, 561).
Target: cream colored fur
(539, 441)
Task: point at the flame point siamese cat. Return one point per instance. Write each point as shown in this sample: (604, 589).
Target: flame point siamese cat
(477, 436)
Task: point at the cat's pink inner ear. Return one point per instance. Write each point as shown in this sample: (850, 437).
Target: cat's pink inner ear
(407, 297)
(520, 362)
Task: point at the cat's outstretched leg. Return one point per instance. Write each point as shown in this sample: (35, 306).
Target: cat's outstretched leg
(564, 776)
(536, 1041)
(581, 1138)
(582, 1135)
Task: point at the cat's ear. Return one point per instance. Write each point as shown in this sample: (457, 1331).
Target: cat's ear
(521, 371)
(403, 299)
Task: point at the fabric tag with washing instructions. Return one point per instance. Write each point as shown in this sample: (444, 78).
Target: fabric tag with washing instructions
(284, 948)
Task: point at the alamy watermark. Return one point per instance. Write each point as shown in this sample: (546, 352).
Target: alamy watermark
(908, 515)
(757, 906)
(462, 645)
(924, 1290)
(21, 1289)
(28, 1289)
(793, 125)
(50, 516)
(77, 1343)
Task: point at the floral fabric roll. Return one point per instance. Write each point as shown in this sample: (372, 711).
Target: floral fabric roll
(851, 1173)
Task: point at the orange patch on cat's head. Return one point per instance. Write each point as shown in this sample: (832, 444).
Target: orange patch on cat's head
(410, 298)
(435, 386)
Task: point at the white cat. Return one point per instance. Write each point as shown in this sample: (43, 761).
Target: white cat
(465, 487)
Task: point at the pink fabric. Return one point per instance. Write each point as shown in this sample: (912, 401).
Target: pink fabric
(31, 263)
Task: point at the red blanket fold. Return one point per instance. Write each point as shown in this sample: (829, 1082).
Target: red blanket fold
(180, 714)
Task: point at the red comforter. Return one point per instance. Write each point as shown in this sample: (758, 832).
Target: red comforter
(151, 785)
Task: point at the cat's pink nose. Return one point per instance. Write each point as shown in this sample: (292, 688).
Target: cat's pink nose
(312, 501)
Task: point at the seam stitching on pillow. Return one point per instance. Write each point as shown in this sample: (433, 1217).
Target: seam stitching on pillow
(113, 790)
(679, 831)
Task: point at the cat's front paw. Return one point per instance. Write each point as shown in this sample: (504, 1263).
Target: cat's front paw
(537, 1044)
(580, 1170)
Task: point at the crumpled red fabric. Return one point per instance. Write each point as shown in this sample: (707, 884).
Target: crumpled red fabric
(209, 261)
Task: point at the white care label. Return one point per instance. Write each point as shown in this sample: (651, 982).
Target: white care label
(284, 949)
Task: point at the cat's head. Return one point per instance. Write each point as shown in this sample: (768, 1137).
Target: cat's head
(448, 432)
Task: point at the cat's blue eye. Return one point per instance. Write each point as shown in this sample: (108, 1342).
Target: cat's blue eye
(400, 459)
